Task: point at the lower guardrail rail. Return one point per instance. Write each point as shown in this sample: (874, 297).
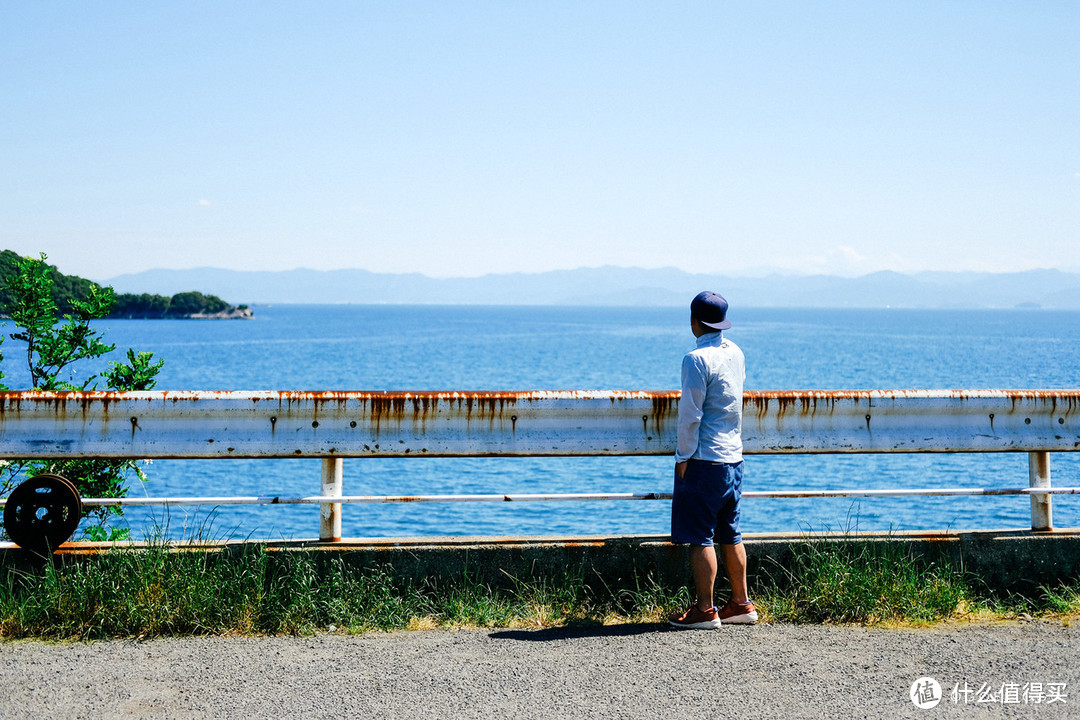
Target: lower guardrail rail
(336, 425)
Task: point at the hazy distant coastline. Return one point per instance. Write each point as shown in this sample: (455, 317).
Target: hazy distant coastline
(609, 285)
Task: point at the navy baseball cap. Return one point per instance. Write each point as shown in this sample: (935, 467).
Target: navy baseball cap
(710, 309)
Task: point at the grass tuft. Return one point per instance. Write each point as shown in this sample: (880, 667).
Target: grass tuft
(853, 581)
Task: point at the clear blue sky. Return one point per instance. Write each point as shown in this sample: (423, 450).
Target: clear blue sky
(457, 139)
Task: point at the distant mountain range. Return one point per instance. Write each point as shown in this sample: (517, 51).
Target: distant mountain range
(611, 285)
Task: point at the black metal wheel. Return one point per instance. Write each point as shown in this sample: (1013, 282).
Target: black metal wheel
(42, 513)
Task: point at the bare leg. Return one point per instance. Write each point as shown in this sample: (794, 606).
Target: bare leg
(735, 564)
(703, 568)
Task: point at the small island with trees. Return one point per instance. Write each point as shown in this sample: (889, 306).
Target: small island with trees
(184, 305)
(181, 305)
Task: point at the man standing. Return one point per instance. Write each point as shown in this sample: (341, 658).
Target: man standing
(709, 466)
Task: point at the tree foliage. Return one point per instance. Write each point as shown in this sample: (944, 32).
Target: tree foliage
(53, 348)
(64, 289)
(183, 304)
(67, 290)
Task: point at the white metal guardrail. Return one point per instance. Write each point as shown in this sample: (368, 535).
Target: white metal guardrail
(336, 425)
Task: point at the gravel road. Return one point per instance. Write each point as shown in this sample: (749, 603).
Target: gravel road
(634, 671)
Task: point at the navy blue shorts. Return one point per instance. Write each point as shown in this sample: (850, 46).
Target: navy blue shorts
(705, 504)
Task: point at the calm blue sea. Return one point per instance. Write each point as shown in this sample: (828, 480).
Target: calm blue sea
(343, 347)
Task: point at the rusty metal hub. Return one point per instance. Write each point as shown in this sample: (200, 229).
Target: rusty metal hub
(42, 513)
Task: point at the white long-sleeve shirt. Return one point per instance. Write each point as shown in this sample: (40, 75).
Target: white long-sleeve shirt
(710, 409)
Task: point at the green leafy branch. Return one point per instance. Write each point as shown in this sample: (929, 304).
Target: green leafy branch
(53, 350)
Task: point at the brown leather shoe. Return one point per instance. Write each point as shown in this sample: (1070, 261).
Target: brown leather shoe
(696, 619)
(738, 614)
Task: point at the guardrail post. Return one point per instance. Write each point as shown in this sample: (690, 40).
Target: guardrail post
(330, 513)
(1039, 477)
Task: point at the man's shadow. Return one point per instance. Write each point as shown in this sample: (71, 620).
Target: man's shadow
(581, 631)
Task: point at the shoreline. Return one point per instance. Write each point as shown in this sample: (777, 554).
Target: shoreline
(233, 312)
